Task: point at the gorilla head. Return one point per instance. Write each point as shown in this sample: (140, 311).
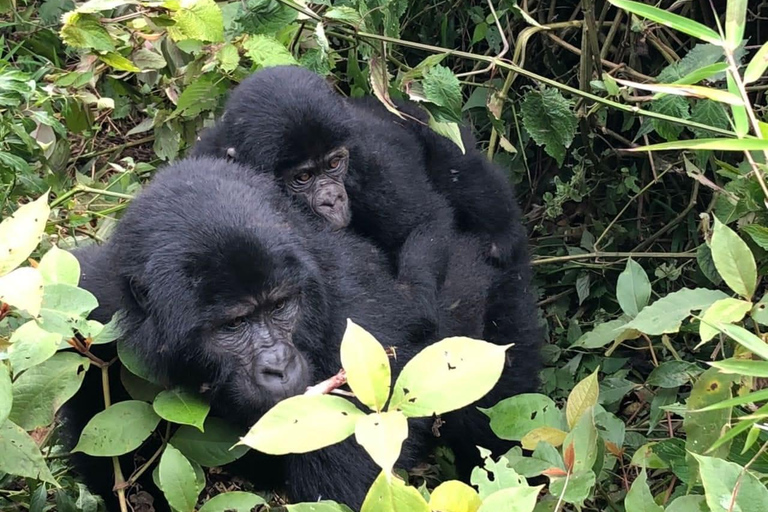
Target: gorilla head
(272, 123)
(216, 294)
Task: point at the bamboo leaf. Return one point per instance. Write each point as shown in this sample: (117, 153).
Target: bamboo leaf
(668, 19)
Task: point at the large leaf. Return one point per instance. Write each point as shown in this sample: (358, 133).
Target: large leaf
(728, 310)
(549, 119)
(382, 436)
(117, 430)
(667, 314)
(708, 144)
(448, 375)
(84, 31)
(31, 345)
(233, 501)
(733, 260)
(729, 487)
(58, 266)
(454, 496)
(582, 397)
(211, 448)
(515, 499)
(639, 497)
(302, 424)
(442, 88)
(198, 19)
(23, 289)
(367, 366)
(178, 481)
(671, 20)
(512, 418)
(183, 407)
(20, 233)
(20, 456)
(6, 392)
(266, 51)
(633, 289)
(390, 494)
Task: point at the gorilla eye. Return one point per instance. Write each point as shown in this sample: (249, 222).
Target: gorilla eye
(303, 178)
(335, 162)
(235, 324)
(279, 306)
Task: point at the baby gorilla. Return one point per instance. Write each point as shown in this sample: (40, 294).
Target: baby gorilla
(229, 291)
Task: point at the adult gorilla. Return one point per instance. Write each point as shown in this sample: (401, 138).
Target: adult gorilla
(228, 290)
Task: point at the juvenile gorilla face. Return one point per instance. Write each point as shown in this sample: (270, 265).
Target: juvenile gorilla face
(320, 183)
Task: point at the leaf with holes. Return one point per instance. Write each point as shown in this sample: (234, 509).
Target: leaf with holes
(20, 455)
(20, 233)
(390, 494)
(119, 429)
(382, 436)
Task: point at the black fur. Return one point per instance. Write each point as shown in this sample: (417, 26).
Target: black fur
(207, 233)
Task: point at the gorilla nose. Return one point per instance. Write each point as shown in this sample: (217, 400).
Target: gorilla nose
(278, 369)
(331, 201)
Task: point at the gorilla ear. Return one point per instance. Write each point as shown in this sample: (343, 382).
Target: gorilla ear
(138, 293)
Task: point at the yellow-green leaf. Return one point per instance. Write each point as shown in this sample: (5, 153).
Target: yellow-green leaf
(695, 91)
(454, 496)
(367, 366)
(390, 494)
(119, 62)
(671, 20)
(726, 311)
(303, 424)
(733, 260)
(550, 435)
(757, 65)
(20, 233)
(735, 18)
(23, 289)
(582, 397)
(382, 436)
(708, 144)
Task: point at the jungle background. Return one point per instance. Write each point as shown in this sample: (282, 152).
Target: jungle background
(631, 248)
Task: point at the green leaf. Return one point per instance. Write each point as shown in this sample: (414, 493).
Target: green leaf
(494, 476)
(95, 6)
(633, 289)
(59, 266)
(672, 374)
(130, 359)
(729, 487)
(739, 113)
(303, 423)
(579, 487)
(119, 429)
(454, 496)
(447, 375)
(20, 456)
(167, 141)
(347, 15)
(666, 314)
(582, 397)
(212, 448)
(6, 392)
(746, 339)
(119, 62)
(515, 499)
(757, 65)
(723, 311)
(702, 429)
(390, 494)
(671, 20)
(689, 503)
(41, 390)
(686, 90)
(23, 289)
(138, 388)
(758, 233)
(550, 435)
(442, 88)
(183, 407)
(512, 418)
(601, 335)
(177, 480)
(710, 113)
(382, 436)
(709, 144)
(450, 131)
(367, 366)
(198, 19)
(757, 396)
(20, 233)
(639, 497)
(228, 57)
(733, 260)
(266, 51)
(550, 121)
(147, 60)
(265, 17)
(735, 18)
(746, 367)
(84, 31)
(674, 106)
(233, 501)
(584, 438)
(318, 506)
(202, 94)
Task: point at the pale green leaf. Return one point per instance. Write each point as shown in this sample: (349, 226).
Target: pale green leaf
(733, 260)
(23, 289)
(58, 266)
(515, 499)
(735, 18)
(119, 429)
(740, 117)
(95, 6)
(303, 423)
(118, 62)
(198, 19)
(450, 131)
(728, 487)
(601, 335)
(639, 497)
(709, 144)
(671, 20)
(84, 31)
(266, 51)
(454, 496)
(666, 314)
(746, 367)
(20, 455)
(6, 392)
(233, 501)
(513, 417)
(367, 366)
(448, 375)
(147, 60)
(382, 436)
(228, 57)
(633, 289)
(746, 339)
(178, 480)
(690, 503)
(550, 435)
(20, 233)
(390, 494)
(758, 233)
(757, 65)
(723, 311)
(694, 91)
(181, 406)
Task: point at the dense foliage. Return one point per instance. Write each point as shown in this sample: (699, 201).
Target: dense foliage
(649, 260)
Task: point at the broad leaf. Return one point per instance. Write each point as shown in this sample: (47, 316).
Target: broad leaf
(550, 121)
(117, 430)
(211, 448)
(515, 499)
(382, 436)
(448, 375)
(6, 392)
(233, 501)
(729, 487)
(639, 497)
(20, 233)
(667, 314)
(583, 397)
(181, 406)
(83, 30)
(454, 496)
(390, 494)
(23, 289)
(633, 289)
(734, 261)
(177, 480)
(31, 345)
(367, 366)
(198, 19)
(266, 51)
(723, 311)
(550, 435)
(514, 417)
(601, 335)
(20, 456)
(58, 266)
(303, 423)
